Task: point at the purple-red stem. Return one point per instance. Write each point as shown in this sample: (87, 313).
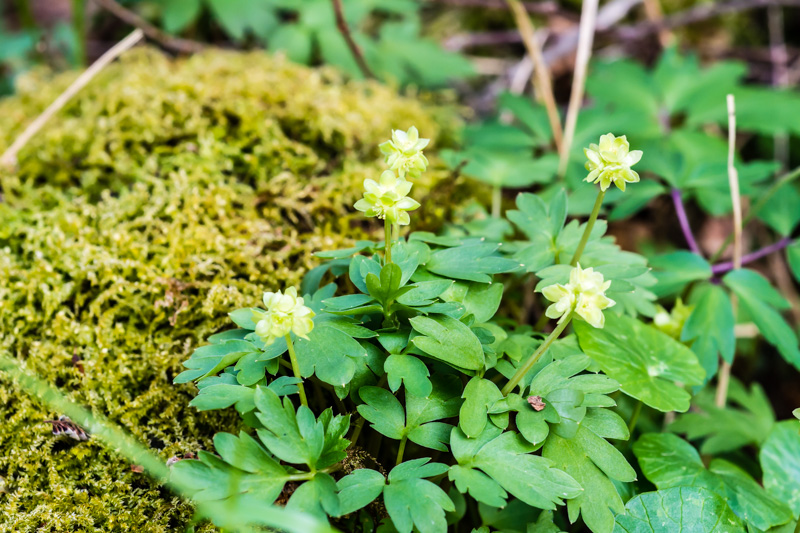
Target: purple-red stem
(684, 221)
(721, 268)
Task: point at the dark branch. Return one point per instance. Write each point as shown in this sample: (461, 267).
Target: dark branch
(184, 46)
(348, 37)
(696, 14)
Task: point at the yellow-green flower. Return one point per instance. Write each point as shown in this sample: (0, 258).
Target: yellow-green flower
(285, 313)
(387, 198)
(672, 323)
(584, 295)
(404, 153)
(611, 162)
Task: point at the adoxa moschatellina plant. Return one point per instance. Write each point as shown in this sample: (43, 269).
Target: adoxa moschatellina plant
(418, 407)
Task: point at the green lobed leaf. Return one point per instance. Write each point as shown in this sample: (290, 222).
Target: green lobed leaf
(448, 340)
(506, 460)
(761, 300)
(646, 362)
(678, 510)
(675, 270)
(710, 325)
(471, 262)
(414, 502)
(780, 462)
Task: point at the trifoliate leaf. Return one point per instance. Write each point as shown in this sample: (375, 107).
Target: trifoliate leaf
(448, 340)
(678, 510)
(479, 395)
(317, 496)
(761, 300)
(358, 489)
(329, 353)
(729, 428)
(414, 502)
(646, 362)
(297, 438)
(471, 262)
(505, 457)
(479, 299)
(669, 461)
(384, 411)
(593, 462)
(780, 462)
(710, 325)
(224, 395)
(675, 270)
(408, 370)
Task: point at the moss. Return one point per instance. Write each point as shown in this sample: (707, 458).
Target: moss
(166, 194)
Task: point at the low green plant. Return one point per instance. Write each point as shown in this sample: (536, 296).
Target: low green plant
(420, 407)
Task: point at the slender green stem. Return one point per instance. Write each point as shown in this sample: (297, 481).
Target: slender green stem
(589, 225)
(296, 370)
(79, 27)
(797, 526)
(757, 207)
(527, 365)
(357, 430)
(387, 230)
(497, 200)
(637, 410)
(395, 232)
(401, 450)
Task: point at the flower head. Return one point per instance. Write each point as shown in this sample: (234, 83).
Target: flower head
(611, 162)
(583, 295)
(404, 153)
(672, 323)
(387, 198)
(285, 313)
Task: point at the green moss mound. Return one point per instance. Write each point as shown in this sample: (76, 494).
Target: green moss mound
(166, 194)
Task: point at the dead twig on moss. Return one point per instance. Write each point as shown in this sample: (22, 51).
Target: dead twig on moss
(344, 29)
(184, 46)
(9, 157)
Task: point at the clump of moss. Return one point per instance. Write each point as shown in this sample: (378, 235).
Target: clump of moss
(166, 194)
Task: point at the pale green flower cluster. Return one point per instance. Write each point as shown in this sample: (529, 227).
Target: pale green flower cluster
(611, 162)
(388, 197)
(286, 313)
(404, 153)
(584, 295)
(672, 323)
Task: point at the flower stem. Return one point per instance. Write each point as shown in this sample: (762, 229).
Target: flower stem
(497, 198)
(637, 410)
(680, 209)
(296, 370)
(589, 225)
(401, 450)
(527, 365)
(721, 268)
(356, 431)
(387, 230)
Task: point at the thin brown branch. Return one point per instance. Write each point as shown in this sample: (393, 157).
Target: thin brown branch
(9, 157)
(344, 29)
(696, 14)
(654, 13)
(541, 74)
(184, 46)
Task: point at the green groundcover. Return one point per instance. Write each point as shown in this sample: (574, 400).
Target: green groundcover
(167, 193)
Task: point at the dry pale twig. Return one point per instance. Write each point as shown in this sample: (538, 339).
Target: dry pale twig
(185, 46)
(540, 71)
(9, 157)
(344, 29)
(733, 180)
(585, 40)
